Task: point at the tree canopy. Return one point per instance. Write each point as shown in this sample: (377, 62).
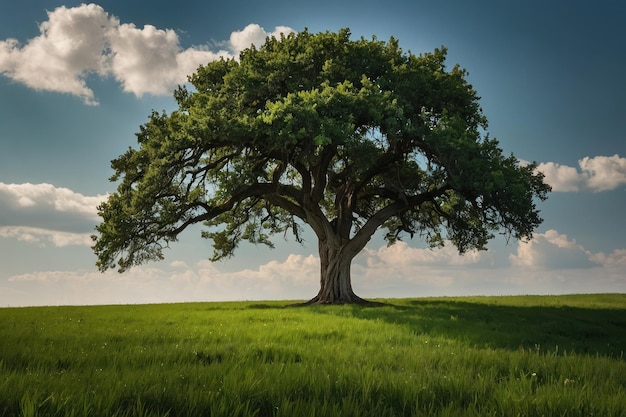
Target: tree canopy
(343, 136)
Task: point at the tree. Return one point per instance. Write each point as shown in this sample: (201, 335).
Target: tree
(317, 129)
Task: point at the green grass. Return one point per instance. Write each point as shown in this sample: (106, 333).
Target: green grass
(479, 356)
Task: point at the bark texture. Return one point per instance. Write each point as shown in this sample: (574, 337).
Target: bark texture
(335, 278)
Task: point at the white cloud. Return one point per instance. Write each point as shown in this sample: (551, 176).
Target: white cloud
(290, 276)
(178, 264)
(400, 269)
(615, 258)
(43, 236)
(604, 172)
(151, 60)
(72, 43)
(44, 214)
(78, 41)
(401, 254)
(296, 268)
(49, 197)
(600, 173)
(561, 177)
(553, 250)
(254, 34)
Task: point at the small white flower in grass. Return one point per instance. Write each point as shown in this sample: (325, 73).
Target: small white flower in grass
(533, 382)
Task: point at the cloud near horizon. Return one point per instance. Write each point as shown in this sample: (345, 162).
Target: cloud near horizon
(596, 174)
(554, 250)
(402, 255)
(78, 41)
(384, 272)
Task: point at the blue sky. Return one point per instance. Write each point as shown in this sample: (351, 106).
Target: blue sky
(77, 80)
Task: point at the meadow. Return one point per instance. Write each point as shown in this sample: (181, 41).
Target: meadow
(469, 356)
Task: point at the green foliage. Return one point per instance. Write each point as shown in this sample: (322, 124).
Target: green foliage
(343, 135)
(496, 356)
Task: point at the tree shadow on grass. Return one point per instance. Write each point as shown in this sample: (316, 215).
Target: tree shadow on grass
(553, 329)
(264, 306)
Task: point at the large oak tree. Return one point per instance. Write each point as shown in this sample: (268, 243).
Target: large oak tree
(343, 136)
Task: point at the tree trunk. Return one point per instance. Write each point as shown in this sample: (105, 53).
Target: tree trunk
(335, 279)
(337, 248)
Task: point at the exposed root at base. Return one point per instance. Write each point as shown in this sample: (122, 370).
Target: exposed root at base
(317, 300)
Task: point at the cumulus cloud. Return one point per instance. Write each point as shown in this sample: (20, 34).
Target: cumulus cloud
(27, 195)
(45, 214)
(553, 263)
(151, 60)
(401, 254)
(254, 34)
(554, 250)
(293, 276)
(78, 41)
(394, 270)
(600, 173)
(615, 258)
(561, 177)
(604, 172)
(71, 44)
(43, 236)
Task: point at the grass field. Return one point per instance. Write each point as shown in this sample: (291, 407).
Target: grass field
(480, 356)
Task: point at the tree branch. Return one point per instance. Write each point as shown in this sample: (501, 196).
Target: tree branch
(255, 190)
(396, 208)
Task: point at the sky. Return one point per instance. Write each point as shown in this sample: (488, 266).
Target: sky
(77, 80)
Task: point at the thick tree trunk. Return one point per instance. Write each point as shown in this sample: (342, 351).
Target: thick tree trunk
(337, 248)
(335, 279)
